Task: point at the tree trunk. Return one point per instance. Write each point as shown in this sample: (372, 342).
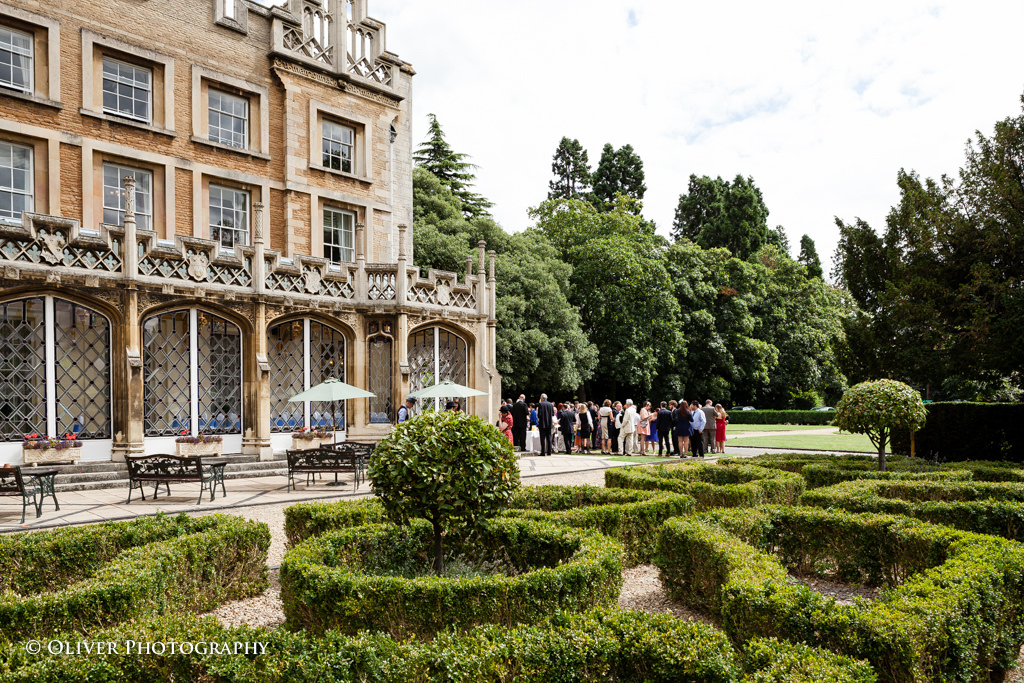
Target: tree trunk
(881, 450)
(438, 549)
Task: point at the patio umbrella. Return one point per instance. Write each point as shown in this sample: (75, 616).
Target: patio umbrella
(332, 390)
(445, 389)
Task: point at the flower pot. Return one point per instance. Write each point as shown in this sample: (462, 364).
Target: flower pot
(307, 444)
(45, 456)
(200, 448)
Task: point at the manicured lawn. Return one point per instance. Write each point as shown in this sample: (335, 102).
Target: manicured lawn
(773, 428)
(832, 442)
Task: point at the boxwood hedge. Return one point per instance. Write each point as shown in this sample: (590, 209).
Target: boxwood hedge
(595, 646)
(956, 616)
(982, 507)
(373, 577)
(631, 517)
(793, 417)
(94, 576)
(711, 485)
(305, 520)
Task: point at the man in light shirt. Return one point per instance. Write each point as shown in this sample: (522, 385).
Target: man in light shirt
(627, 435)
(699, 422)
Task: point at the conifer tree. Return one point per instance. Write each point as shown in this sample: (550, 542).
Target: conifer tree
(571, 168)
(452, 169)
(619, 171)
(809, 257)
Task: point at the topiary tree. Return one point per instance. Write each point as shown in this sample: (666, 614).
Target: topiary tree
(449, 468)
(879, 407)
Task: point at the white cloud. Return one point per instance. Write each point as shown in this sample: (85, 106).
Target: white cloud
(821, 104)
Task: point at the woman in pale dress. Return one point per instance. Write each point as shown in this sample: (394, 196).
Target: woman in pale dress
(605, 416)
(643, 426)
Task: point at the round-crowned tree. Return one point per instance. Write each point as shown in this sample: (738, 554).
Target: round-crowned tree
(452, 469)
(878, 408)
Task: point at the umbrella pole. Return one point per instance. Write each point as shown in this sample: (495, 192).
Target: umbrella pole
(334, 421)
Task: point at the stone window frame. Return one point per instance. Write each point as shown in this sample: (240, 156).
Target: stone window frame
(259, 110)
(30, 192)
(355, 218)
(139, 212)
(46, 63)
(97, 158)
(203, 177)
(363, 126)
(94, 48)
(246, 213)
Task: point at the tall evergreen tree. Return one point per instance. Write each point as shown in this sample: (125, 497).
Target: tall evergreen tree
(619, 172)
(717, 213)
(571, 168)
(809, 257)
(452, 169)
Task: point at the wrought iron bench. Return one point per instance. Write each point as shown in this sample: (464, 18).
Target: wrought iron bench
(32, 487)
(339, 458)
(163, 469)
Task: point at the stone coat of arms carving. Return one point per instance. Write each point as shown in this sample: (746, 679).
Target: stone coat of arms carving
(311, 281)
(444, 293)
(54, 247)
(198, 266)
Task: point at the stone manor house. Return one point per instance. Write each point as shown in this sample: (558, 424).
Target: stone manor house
(205, 208)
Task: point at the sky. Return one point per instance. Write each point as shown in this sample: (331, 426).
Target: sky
(820, 103)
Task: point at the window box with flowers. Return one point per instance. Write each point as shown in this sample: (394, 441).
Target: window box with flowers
(306, 439)
(204, 444)
(36, 449)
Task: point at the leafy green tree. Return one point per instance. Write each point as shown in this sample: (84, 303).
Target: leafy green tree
(715, 299)
(540, 343)
(620, 286)
(451, 168)
(809, 257)
(879, 408)
(618, 172)
(716, 213)
(801, 318)
(571, 169)
(452, 469)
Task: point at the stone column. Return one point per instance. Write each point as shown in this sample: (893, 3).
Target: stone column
(131, 441)
(402, 276)
(469, 270)
(256, 437)
(481, 291)
(361, 284)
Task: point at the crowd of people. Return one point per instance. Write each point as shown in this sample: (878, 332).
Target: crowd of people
(674, 428)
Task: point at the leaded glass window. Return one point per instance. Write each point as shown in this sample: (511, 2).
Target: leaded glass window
(229, 216)
(326, 360)
(220, 375)
(15, 59)
(22, 369)
(338, 146)
(16, 184)
(127, 90)
(421, 359)
(229, 119)
(286, 358)
(168, 385)
(113, 195)
(381, 382)
(82, 340)
(435, 355)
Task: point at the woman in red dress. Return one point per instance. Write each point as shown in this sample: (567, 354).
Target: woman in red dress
(506, 423)
(721, 418)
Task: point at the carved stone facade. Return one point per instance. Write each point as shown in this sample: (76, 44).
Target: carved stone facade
(209, 214)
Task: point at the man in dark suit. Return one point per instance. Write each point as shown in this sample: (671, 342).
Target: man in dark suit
(665, 425)
(520, 422)
(545, 421)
